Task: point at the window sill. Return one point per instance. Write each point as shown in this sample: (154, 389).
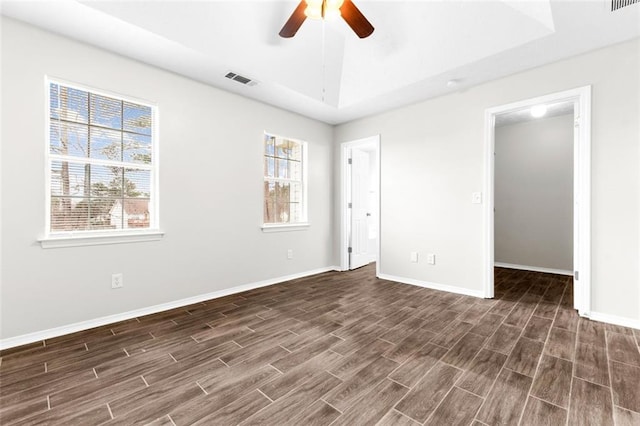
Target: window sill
(79, 239)
(285, 227)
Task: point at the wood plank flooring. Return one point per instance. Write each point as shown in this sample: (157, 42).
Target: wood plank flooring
(341, 349)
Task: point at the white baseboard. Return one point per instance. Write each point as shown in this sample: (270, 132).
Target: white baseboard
(433, 286)
(534, 268)
(614, 319)
(97, 322)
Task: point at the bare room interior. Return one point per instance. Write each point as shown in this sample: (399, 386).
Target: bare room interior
(327, 212)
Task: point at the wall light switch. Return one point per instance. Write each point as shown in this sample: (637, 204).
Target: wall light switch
(431, 259)
(414, 257)
(476, 198)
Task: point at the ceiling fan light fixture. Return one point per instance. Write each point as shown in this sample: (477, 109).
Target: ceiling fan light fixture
(327, 9)
(331, 14)
(323, 9)
(332, 9)
(314, 9)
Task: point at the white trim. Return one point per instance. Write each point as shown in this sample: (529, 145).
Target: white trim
(110, 319)
(87, 239)
(433, 286)
(344, 214)
(283, 227)
(576, 197)
(534, 268)
(47, 150)
(582, 205)
(582, 191)
(614, 319)
(97, 91)
(489, 211)
(344, 191)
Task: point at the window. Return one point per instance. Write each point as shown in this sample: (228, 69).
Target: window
(101, 163)
(284, 181)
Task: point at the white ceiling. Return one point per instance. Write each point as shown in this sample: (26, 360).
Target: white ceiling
(326, 72)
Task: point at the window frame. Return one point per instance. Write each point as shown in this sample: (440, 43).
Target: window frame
(304, 222)
(52, 239)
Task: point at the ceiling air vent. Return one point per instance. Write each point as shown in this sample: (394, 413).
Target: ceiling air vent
(240, 79)
(619, 4)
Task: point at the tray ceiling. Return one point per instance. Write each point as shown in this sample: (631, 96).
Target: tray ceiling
(326, 72)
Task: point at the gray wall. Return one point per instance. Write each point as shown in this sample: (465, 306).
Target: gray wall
(534, 193)
(210, 191)
(432, 161)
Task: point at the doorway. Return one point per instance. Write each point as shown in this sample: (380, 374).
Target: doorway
(360, 203)
(580, 99)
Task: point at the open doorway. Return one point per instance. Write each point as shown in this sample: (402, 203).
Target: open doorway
(577, 102)
(360, 207)
(533, 189)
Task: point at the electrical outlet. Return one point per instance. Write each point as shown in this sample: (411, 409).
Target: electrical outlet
(117, 281)
(413, 257)
(431, 259)
(290, 254)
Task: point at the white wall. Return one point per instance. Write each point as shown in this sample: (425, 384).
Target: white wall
(432, 161)
(210, 191)
(534, 193)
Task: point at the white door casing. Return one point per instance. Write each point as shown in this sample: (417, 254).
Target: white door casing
(371, 145)
(582, 190)
(578, 286)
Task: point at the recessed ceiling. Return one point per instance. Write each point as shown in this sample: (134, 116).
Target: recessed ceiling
(326, 72)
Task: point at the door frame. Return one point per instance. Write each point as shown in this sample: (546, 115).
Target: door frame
(345, 189)
(581, 97)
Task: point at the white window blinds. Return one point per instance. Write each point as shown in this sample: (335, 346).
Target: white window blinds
(284, 180)
(101, 162)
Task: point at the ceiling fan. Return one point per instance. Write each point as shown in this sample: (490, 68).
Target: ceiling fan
(327, 9)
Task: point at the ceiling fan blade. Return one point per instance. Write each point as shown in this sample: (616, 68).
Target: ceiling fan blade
(296, 19)
(356, 20)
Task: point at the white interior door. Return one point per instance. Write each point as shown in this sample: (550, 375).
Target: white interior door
(359, 241)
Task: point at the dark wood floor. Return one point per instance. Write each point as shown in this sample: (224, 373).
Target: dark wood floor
(341, 349)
